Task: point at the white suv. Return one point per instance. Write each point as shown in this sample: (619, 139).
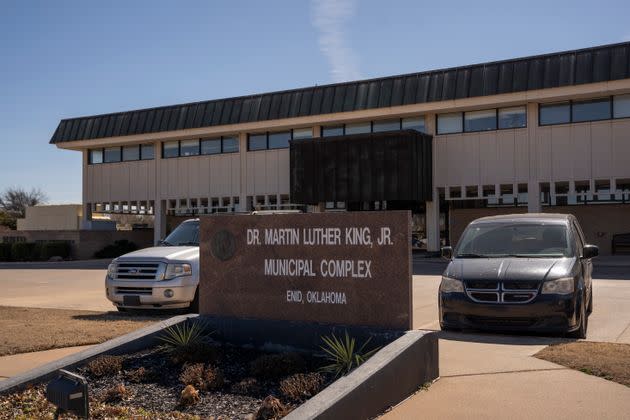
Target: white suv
(162, 277)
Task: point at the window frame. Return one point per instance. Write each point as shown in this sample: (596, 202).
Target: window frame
(178, 149)
(437, 118)
(496, 120)
(612, 104)
(611, 109)
(142, 146)
(128, 147)
(119, 154)
(512, 107)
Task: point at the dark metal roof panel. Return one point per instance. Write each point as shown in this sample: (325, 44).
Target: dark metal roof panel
(590, 65)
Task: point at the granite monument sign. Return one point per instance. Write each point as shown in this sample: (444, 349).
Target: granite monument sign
(351, 268)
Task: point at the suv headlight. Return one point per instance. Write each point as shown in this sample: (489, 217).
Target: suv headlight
(111, 270)
(563, 286)
(177, 270)
(450, 285)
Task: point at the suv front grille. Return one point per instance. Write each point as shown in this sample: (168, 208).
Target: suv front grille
(134, 290)
(489, 291)
(139, 271)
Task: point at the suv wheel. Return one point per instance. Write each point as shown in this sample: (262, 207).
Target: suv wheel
(581, 331)
(194, 305)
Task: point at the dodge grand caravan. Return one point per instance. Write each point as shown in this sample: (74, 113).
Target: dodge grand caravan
(519, 272)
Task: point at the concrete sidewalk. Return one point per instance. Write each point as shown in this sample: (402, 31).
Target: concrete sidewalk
(485, 377)
(19, 363)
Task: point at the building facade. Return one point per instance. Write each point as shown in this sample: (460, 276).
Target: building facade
(537, 134)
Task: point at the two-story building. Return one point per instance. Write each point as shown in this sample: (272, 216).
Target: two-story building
(547, 133)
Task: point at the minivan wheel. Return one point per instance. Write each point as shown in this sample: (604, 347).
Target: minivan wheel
(581, 331)
(194, 305)
(121, 309)
(589, 309)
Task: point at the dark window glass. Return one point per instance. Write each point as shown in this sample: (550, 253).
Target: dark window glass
(302, 133)
(414, 123)
(257, 142)
(555, 114)
(131, 153)
(210, 146)
(147, 152)
(515, 117)
(171, 149)
(598, 109)
(386, 125)
(96, 156)
(112, 154)
(230, 144)
(449, 123)
(279, 140)
(358, 128)
(480, 120)
(189, 148)
(332, 131)
(621, 106)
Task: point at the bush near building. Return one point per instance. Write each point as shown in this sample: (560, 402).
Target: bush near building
(5, 252)
(32, 251)
(119, 248)
(24, 251)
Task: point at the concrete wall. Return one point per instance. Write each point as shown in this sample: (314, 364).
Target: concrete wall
(599, 222)
(53, 217)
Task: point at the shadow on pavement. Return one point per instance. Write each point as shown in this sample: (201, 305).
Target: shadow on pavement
(611, 272)
(61, 265)
(522, 339)
(126, 316)
(428, 266)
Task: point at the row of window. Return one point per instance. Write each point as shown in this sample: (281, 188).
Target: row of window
(581, 111)
(196, 147)
(379, 126)
(485, 120)
(124, 153)
(277, 140)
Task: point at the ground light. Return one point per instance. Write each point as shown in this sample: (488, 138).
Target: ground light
(69, 392)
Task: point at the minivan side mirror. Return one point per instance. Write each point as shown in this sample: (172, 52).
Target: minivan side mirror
(447, 252)
(590, 251)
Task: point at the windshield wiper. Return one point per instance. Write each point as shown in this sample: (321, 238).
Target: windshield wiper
(165, 243)
(188, 244)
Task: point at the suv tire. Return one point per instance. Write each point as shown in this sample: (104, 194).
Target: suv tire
(194, 305)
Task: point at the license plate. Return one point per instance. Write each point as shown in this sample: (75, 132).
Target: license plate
(131, 300)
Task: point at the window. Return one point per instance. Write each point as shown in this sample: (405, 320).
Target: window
(211, 146)
(598, 109)
(257, 142)
(147, 152)
(96, 156)
(229, 144)
(480, 120)
(302, 133)
(131, 153)
(621, 106)
(359, 128)
(413, 123)
(332, 131)
(111, 154)
(386, 125)
(515, 117)
(279, 140)
(449, 123)
(555, 113)
(189, 148)
(170, 149)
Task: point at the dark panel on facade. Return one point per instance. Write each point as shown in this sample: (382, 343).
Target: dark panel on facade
(362, 167)
(608, 62)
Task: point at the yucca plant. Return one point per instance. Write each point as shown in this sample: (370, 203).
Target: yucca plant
(343, 355)
(185, 336)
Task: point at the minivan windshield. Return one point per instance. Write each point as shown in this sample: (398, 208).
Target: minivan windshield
(185, 234)
(527, 240)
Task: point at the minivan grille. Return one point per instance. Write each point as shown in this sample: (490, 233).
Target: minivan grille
(490, 291)
(138, 271)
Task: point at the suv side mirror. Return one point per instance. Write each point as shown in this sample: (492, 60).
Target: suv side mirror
(447, 252)
(590, 251)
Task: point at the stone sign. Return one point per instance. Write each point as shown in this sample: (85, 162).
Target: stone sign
(351, 268)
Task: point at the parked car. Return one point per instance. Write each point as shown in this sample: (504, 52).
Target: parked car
(519, 272)
(162, 277)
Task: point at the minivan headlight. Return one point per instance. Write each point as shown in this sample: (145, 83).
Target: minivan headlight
(562, 286)
(111, 270)
(450, 285)
(177, 270)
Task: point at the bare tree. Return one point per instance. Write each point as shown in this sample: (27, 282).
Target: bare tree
(14, 201)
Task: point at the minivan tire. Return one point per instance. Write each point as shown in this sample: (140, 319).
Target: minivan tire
(590, 302)
(194, 305)
(580, 333)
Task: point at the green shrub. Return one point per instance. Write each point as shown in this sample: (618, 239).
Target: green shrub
(55, 249)
(119, 248)
(25, 251)
(5, 252)
(343, 355)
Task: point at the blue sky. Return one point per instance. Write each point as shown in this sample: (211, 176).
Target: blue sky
(62, 59)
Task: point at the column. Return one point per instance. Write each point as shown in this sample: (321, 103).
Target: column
(432, 220)
(533, 183)
(159, 225)
(86, 217)
(242, 151)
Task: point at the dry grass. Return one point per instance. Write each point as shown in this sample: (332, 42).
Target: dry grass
(607, 360)
(32, 329)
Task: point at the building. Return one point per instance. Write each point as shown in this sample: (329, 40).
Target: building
(51, 217)
(542, 133)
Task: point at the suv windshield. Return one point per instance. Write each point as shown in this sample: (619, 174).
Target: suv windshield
(185, 234)
(496, 240)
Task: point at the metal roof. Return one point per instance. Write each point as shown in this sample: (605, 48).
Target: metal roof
(576, 67)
